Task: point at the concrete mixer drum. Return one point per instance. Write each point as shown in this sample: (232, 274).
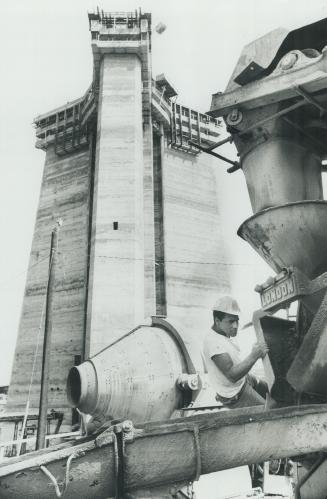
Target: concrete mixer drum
(136, 377)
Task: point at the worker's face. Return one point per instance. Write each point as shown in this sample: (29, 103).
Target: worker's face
(229, 325)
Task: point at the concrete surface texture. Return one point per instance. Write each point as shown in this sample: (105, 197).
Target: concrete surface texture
(141, 230)
(194, 243)
(116, 295)
(65, 195)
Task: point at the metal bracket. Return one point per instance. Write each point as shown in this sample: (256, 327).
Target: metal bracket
(236, 164)
(118, 434)
(106, 437)
(119, 446)
(221, 143)
(188, 381)
(198, 467)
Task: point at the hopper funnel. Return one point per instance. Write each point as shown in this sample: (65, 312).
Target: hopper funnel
(293, 234)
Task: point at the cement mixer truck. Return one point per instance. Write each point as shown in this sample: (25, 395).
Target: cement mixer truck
(275, 108)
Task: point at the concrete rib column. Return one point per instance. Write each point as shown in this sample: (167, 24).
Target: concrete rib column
(116, 285)
(149, 231)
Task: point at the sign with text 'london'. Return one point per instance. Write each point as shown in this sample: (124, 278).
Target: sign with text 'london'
(282, 292)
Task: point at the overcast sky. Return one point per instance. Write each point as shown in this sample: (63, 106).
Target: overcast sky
(46, 61)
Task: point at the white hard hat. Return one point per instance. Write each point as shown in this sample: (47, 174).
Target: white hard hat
(228, 305)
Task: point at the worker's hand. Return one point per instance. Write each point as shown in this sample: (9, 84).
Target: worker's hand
(260, 349)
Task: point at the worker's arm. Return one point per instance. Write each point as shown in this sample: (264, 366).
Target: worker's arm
(234, 372)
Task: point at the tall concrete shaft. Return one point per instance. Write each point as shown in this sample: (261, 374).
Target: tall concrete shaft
(121, 279)
(141, 228)
(115, 301)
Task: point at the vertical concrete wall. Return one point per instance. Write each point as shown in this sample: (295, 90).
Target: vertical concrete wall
(64, 194)
(194, 247)
(116, 281)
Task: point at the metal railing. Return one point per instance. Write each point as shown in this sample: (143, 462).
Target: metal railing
(32, 440)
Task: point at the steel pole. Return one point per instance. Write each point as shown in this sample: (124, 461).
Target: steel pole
(43, 407)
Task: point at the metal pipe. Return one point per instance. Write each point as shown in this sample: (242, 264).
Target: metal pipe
(308, 97)
(221, 142)
(236, 164)
(43, 408)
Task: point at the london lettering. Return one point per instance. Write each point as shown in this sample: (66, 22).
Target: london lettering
(278, 293)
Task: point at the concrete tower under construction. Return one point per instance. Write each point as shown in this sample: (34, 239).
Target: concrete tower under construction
(141, 228)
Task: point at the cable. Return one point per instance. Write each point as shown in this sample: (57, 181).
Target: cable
(156, 262)
(53, 479)
(163, 262)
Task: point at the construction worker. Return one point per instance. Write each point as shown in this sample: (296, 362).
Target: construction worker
(229, 375)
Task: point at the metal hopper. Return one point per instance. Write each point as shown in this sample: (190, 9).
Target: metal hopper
(294, 234)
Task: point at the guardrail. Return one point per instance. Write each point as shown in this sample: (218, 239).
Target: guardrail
(32, 440)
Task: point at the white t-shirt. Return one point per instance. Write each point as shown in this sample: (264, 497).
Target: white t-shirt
(215, 344)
